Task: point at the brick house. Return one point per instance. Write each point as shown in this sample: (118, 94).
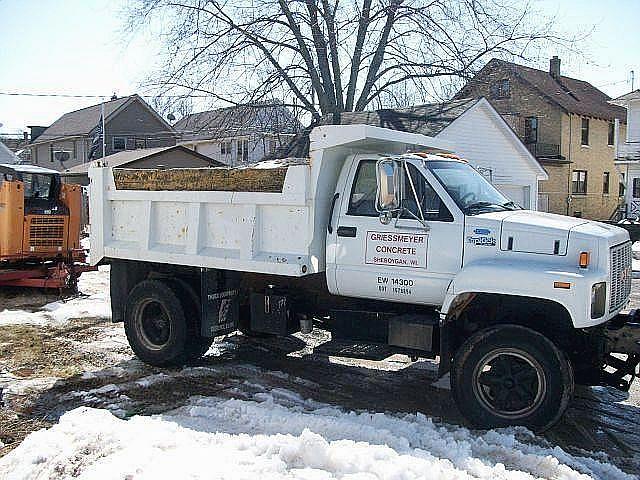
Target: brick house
(76, 137)
(567, 124)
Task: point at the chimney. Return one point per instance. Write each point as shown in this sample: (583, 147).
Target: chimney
(36, 131)
(554, 67)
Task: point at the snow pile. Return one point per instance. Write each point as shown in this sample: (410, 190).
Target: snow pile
(278, 435)
(94, 302)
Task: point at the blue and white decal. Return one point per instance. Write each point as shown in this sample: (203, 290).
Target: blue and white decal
(482, 237)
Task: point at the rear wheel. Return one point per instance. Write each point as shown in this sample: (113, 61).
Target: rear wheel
(197, 345)
(155, 324)
(511, 375)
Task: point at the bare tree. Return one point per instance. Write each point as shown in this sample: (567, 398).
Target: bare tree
(324, 57)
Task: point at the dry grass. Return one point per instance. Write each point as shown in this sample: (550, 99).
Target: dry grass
(14, 428)
(28, 351)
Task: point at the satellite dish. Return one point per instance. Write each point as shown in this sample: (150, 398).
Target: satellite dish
(171, 117)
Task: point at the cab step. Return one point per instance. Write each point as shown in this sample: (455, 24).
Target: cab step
(361, 350)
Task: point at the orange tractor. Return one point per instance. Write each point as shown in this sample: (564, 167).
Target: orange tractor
(40, 223)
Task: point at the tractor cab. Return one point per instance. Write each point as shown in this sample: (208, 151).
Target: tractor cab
(39, 215)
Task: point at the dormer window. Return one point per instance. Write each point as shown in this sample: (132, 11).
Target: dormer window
(501, 89)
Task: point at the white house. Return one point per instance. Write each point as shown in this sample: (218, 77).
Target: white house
(240, 134)
(628, 152)
(480, 135)
(6, 155)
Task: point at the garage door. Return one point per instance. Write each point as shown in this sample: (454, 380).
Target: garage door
(517, 193)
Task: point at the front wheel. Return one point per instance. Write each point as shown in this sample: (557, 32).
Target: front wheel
(511, 375)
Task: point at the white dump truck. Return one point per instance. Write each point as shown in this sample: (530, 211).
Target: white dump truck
(387, 239)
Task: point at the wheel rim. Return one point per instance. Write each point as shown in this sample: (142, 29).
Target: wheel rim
(510, 383)
(153, 325)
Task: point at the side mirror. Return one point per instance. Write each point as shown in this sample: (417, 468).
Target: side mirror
(388, 178)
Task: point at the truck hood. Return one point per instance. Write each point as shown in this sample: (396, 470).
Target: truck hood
(535, 232)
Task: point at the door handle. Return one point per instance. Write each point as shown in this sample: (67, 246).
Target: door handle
(347, 232)
(333, 205)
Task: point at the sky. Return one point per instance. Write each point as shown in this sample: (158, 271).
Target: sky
(79, 47)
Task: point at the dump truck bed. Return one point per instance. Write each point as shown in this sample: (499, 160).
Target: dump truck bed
(250, 219)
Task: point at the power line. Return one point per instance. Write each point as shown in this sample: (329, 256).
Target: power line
(67, 95)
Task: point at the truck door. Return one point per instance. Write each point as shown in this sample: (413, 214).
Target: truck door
(400, 261)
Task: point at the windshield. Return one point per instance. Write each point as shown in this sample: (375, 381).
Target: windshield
(470, 190)
(36, 185)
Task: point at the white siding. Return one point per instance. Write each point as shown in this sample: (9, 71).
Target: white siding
(633, 121)
(489, 145)
(258, 144)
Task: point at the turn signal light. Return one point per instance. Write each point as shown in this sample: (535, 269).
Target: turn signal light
(584, 259)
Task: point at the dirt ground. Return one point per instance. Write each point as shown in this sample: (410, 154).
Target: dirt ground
(50, 369)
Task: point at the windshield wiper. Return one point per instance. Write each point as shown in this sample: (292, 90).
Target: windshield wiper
(511, 205)
(480, 205)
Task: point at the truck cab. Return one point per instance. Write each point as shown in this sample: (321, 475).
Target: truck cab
(441, 230)
(383, 238)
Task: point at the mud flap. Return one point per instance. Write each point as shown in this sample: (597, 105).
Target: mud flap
(220, 302)
(623, 337)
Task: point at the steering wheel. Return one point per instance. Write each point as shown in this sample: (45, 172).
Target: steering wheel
(468, 195)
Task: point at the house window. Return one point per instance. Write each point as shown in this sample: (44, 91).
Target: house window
(119, 143)
(531, 130)
(225, 148)
(579, 182)
(605, 183)
(612, 134)
(621, 187)
(141, 143)
(636, 187)
(584, 132)
(273, 144)
(243, 150)
(501, 89)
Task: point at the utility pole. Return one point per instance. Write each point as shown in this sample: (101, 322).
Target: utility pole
(632, 79)
(104, 137)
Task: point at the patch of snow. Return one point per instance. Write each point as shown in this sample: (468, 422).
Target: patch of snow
(13, 386)
(94, 302)
(280, 435)
(153, 379)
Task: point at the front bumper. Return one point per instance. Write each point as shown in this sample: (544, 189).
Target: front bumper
(622, 337)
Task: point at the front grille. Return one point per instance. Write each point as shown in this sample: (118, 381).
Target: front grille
(620, 275)
(46, 232)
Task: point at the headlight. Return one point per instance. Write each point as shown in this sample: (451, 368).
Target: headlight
(598, 299)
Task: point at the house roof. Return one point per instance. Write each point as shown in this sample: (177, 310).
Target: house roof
(128, 156)
(429, 119)
(82, 122)
(28, 169)
(238, 120)
(572, 95)
(624, 100)
(6, 155)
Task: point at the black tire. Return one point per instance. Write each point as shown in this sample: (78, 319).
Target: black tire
(155, 324)
(511, 375)
(197, 345)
